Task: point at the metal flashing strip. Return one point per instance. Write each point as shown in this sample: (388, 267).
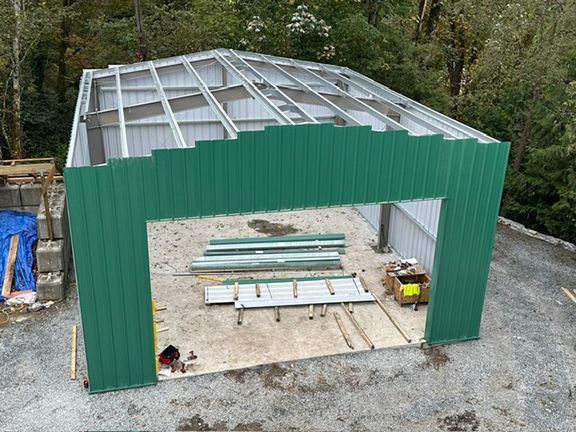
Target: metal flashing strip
(272, 239)
(288, 250)
(315, 255)
(308, 290)
(277, 245)
(266, 261)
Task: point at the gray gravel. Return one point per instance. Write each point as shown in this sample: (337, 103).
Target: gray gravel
(521, 375)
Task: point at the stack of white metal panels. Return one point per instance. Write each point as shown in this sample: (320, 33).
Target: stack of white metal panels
(258, 253)
(282, 293)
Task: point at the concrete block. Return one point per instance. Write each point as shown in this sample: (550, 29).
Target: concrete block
(57, 203)
(51, 286)
(10, 196)
(51, 256)
(30, 194)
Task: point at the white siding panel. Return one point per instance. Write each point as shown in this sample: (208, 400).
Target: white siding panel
(426, 213)
(408, 239)
(372, 215)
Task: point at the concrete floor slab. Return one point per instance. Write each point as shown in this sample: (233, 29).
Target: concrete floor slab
(212, 331)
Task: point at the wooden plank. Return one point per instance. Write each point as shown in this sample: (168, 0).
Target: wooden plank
(351, 307)
(311, 312)
(9, 269)
(295, 288)
(33, 160)
(73, 359)
(236, 290)
(391, 318)
(364, 284)
(277, 313)
(49, 179)
(569, 294)
(330, 287)
(343, 330)
(257, 290)
(45, 185)
(358, 327)
(323, 312)
(240, 316)
(25, 169)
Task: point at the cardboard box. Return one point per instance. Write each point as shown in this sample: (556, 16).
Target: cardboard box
(422, 279)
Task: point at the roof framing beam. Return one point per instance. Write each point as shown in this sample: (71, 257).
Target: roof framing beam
(226, 94)
(226, 121)
(461, 128)
(392, 106)
(361, 105)
(272, 108)
(309, 90)
(120, 111)
(151, 109)
(275, 89)
(178, 137)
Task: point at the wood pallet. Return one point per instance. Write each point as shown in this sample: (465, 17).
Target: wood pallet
(42, 170)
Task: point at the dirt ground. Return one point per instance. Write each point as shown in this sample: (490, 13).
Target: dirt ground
(520, 376)
(212, 332)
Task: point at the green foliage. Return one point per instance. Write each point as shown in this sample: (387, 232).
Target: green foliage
(506, 68)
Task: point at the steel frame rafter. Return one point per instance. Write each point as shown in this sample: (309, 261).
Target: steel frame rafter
(309, 90)
(272, 108)
(277, 91)
(226, 121)
(178, 137)
(361, 105)
(121, 121)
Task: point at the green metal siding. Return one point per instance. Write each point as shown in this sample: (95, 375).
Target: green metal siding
(281, 168)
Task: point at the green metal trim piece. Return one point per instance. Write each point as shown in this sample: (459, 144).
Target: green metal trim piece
(282, 168)
(275, 239)
(341, 251)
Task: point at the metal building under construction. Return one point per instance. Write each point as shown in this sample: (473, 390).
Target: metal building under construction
(223, 132)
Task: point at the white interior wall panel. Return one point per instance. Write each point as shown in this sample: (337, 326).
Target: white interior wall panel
(372, 215)
(81, 155)
(413, 230)
(426, 213)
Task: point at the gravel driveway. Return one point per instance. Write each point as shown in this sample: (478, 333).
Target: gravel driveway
(521, 375)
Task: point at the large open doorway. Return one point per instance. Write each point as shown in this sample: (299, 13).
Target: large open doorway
(212, 331)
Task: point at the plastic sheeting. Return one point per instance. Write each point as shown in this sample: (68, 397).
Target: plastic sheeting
(23, 224)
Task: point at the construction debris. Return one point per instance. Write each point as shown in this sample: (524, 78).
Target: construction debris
(288, 292)
(358, 327)
(343, 330)
(73, 356)
(570, 295)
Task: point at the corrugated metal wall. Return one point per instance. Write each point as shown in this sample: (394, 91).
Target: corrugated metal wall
(278, 169)
(372, 215)
(409, 240)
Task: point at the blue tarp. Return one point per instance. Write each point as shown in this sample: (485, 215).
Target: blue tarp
(23, 224)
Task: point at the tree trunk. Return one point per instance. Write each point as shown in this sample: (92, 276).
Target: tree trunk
(456, 59)
(519, 154)
(63, 49)
(17, 132)
(142, 53)
(421, 16)
(372, 10)
(434, 17)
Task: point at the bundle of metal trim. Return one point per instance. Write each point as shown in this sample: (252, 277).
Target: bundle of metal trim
(279, 243)
(267, 261)
(346, 290)
(272, 239)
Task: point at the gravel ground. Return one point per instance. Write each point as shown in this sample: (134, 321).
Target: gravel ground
(521, 375)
